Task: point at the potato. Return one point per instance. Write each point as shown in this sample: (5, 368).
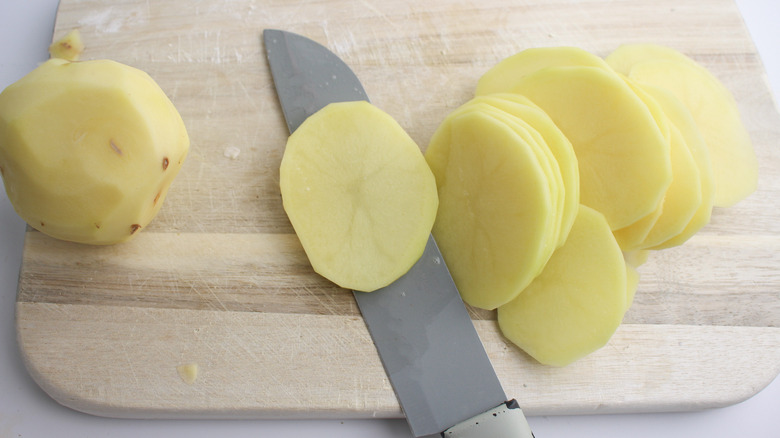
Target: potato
(68, 47)
(627, 56)
(359, 195)
(683, 197)
(494, 224)
(575, 305)
(89, 149)
(543, 153)
(683, 121)
(552, 137)
(624, 160)
(505, 76)
(735, 167)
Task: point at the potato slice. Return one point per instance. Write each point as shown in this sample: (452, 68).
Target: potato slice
(505, 76)
(682, 119)
(359, 194)
(89, 149)
(735, 167)
(537, 120)
(624, 160)
(683, 197)
(632, 236)
(544, 156)
(575, 305)
(625, 57)
(493, 224)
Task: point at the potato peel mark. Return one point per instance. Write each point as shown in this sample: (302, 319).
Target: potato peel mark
(115, 147)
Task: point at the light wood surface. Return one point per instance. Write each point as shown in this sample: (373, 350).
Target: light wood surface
(218, 279)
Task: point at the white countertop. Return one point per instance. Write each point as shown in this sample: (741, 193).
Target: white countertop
(27, 412)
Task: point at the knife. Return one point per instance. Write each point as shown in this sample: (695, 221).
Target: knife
(436, 363)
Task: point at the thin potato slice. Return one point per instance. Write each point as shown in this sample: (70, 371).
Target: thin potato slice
(624, 160)
(734, 163)
(537, 120)
(493, 224)
(575, 305)
(682, 119)
(683, 197)
(533, 139)
(359, 194)
(625, 57)
(505, 75)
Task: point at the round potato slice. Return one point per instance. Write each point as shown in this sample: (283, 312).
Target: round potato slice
(538, 121)
(505, 75)
(623, 157)
(682, 119)
(575, 305)
(493, 224)
(734, 163)
(359, 194)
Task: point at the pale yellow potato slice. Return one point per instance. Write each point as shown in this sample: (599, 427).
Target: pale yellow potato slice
(632, 236)
(537, 120)
(493, 224)
(533, 139)
(625, 57)
(682, 119)
(505, 75)
(359, 195)
(546, 160)
(683, 197)
(734, 163)
(575, 305)
(624, 160)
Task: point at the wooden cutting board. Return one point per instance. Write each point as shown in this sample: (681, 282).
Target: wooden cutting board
(219, 279)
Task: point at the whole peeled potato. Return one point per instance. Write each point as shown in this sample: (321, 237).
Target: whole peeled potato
(89, 149)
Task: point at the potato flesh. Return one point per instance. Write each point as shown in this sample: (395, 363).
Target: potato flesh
(359, 195)
(624, 160)
(493, 224)
(552, 139)
(68, 47)
(505, 76)
(733, 160)
(575, 305)
(683, 121)
(89, 149)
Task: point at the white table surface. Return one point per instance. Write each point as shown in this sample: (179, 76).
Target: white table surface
(27, 412)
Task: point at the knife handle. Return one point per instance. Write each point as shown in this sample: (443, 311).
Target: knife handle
(504, 421)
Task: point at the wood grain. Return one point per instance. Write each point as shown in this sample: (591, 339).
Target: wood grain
(220, 280)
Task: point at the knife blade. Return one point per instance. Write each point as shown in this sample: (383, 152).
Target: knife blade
(428, 345)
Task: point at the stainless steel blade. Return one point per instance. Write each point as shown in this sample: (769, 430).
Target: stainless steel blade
(307, 76)
(422, 330)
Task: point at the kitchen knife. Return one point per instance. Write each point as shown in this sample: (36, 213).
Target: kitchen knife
(426, 340)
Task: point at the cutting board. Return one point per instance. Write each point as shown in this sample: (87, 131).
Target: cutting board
(220, 281)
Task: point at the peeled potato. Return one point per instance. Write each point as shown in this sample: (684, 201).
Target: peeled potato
(359, 195)
(89, 149)
(505, 76)
(735, 167)
(493, 226)
(575, 305)
(624, 160)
